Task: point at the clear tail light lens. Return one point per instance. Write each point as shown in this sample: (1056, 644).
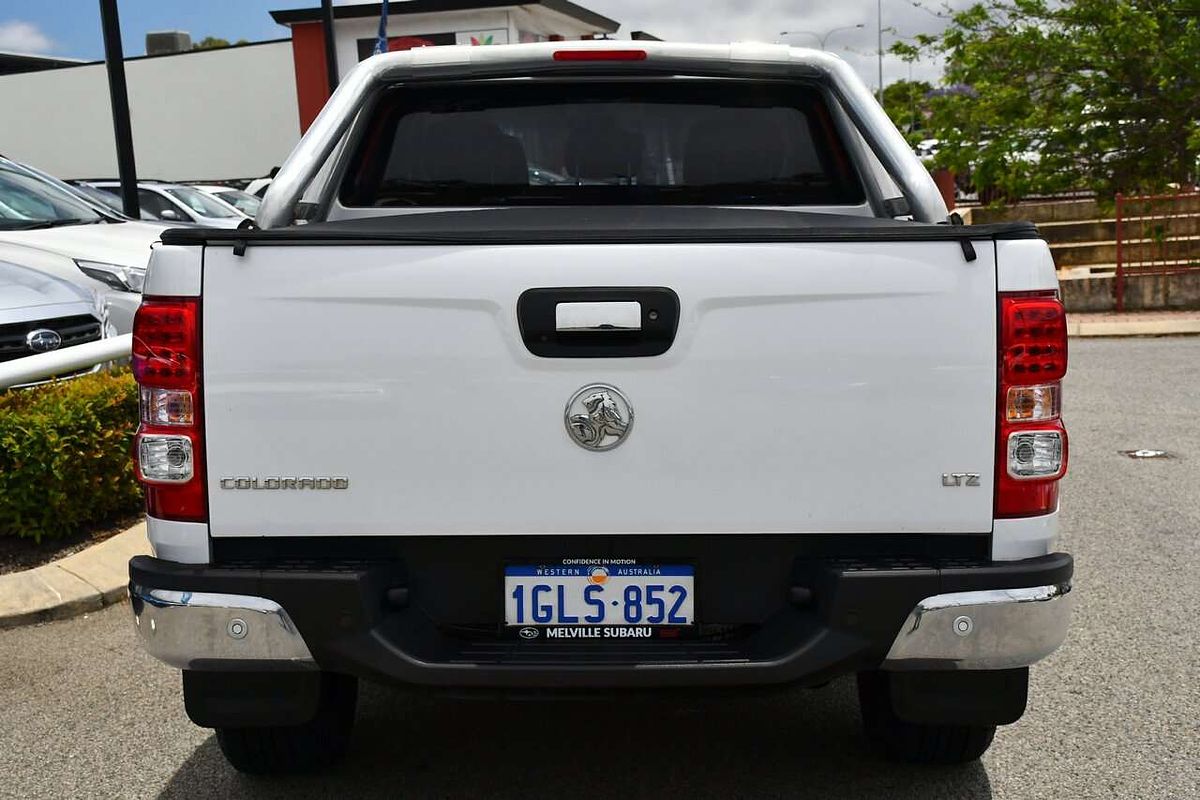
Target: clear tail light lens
(165, 459)
(167, 406)
(1033, 403)
(1035, 454)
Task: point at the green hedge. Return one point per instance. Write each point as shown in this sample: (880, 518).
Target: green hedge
(65, 456)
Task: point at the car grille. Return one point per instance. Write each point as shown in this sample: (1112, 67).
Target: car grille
(73, 330)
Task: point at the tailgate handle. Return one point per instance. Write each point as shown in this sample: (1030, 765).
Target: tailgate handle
(598, 322)
(618, 316)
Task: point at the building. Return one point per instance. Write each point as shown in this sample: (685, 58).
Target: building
(14, 63)
(236, 112)
(424, 23)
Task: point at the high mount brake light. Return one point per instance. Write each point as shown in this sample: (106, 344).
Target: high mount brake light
(1031, 442)
(599, 55)
(169, 447)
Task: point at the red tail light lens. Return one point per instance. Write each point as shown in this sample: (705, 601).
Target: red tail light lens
(166, 342)
(599, 55)
(1031, 442)
(1033, 333)
(169, 448)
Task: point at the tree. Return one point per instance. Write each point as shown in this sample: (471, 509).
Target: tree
(1062, 94)
(906, 102)
(214, 43)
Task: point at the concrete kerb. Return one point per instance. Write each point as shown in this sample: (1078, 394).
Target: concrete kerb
(82, 582)
(1146, 327)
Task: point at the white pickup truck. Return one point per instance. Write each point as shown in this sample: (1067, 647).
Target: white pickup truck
(601, 365)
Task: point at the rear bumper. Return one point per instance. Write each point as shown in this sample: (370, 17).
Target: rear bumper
(380, 620)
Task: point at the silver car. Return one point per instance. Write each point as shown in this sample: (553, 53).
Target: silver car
(40, 313)
(174, 202)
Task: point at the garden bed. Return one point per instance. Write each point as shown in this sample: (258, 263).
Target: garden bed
(66, 475)
(17, 555)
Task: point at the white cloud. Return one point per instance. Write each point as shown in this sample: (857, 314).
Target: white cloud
(23, 37)
(763, 20)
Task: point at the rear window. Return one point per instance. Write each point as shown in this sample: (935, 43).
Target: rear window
(685, 142)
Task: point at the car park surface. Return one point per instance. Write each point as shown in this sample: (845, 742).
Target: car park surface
(85, 712)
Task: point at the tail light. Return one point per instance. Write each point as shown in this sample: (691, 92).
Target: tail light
(1031, 446)
(169, 447)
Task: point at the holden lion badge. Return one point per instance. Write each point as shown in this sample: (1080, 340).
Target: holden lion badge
(599, 417)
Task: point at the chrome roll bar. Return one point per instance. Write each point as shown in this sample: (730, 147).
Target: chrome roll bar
(519, 60)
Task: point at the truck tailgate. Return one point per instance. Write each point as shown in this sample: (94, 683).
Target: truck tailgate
(810, 387)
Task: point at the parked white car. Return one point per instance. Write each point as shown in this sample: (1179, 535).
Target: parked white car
(102, 250)
(176, 202)
(40, 313)
(258, 187)
(244, 202)
(107, 201)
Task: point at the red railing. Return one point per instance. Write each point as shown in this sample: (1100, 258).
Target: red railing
(1157, 234)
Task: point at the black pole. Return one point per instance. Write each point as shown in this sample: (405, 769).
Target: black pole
(330, 48)
(114, 59)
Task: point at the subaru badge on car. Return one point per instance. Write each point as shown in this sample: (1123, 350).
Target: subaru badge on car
(43, 340)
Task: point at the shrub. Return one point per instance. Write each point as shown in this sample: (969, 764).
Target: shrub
(65, 455)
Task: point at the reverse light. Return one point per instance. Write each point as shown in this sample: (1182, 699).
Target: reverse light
(1031, 442)
(1035, 454)
(165, 459)
(169, 447)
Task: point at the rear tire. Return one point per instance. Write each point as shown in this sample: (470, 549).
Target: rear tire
(919, 743)
(308, 747)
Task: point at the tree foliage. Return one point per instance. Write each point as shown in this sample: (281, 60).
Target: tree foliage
(907, 103)
(214, 43)
(1047, 95)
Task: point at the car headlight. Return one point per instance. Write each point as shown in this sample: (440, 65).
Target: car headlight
(126, 279)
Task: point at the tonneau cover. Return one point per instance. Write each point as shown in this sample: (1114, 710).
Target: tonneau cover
(605, 224)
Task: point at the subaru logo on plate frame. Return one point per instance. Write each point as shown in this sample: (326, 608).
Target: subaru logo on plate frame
(598, 417)
(43, 340)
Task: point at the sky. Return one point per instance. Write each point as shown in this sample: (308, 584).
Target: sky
(71, 28)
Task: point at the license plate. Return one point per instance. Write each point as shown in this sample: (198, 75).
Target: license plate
(597, 598)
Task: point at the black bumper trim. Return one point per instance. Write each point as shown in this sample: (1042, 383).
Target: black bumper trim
(857, 608)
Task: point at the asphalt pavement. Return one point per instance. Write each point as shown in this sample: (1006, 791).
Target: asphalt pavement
(1114, 714)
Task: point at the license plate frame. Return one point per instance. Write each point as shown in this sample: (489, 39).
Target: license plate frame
(566, 586)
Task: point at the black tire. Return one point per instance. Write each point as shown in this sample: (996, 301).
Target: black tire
(918, 743)
(312, 746)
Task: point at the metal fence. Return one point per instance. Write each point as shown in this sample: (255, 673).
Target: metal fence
(1156, 234)
(32, 369)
